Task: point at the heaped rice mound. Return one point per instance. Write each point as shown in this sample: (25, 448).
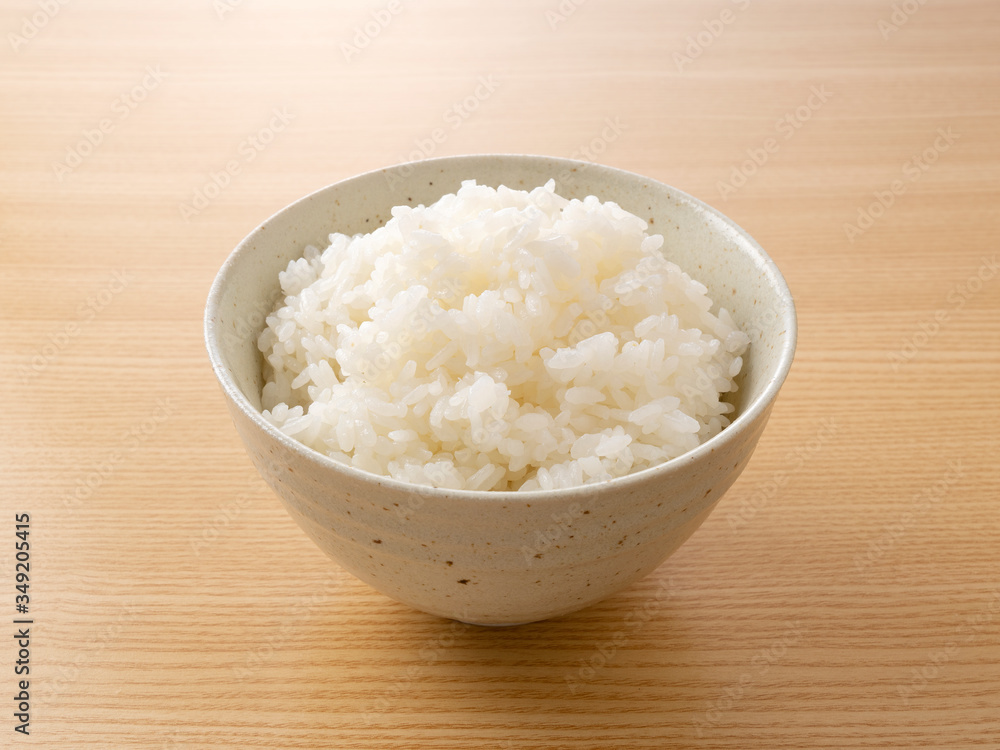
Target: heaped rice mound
(498, 340)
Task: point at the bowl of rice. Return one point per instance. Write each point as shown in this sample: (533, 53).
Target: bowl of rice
(499, 388)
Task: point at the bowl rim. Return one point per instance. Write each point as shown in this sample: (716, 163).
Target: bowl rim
(746, 416)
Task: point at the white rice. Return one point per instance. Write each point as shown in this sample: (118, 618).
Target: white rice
(498, 340)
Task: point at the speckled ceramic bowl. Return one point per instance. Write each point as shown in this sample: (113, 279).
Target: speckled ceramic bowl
(500, 558)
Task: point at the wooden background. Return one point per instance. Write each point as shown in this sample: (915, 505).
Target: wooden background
(845, 593)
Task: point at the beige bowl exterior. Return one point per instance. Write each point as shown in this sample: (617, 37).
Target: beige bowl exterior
(500, 558)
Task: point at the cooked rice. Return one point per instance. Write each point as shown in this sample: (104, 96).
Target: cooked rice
(498, 340)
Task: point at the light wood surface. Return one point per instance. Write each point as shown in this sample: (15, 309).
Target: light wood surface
(846, 591)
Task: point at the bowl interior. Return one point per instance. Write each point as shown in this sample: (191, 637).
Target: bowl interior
(703, 242)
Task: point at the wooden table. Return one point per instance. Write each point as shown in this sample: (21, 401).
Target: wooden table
(845, 593)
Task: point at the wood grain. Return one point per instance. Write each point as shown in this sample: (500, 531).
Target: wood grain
(851, 601)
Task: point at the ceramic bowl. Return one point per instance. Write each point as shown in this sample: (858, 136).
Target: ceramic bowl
(499, 558)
